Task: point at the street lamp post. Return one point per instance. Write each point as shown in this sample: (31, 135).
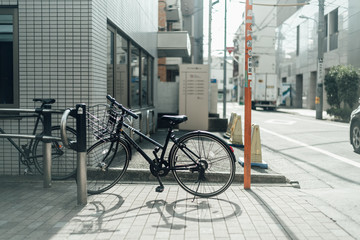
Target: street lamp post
(224, 88)
(211, 4)
(319, 88)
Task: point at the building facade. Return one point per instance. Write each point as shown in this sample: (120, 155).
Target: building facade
(297, 46)
(76, 51)
(263, 47)
(217, 76)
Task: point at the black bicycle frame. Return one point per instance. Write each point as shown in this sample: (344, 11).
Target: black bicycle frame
(139, 149)
(25, 154)
(162, 147)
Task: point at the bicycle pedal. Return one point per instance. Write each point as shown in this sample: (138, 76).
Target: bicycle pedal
(102, 165)
(159, 189)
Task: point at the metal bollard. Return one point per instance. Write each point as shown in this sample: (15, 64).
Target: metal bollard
(81, 154)
(47, 148)
(47, 164)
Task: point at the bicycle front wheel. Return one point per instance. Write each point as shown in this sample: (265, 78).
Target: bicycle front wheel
(202, 164)
(63, 160)
(107, 161)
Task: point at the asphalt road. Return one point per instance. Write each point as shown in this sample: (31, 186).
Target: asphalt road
(318, 155)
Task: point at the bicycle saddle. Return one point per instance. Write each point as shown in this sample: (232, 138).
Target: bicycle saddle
(44, 100)
(175, 119)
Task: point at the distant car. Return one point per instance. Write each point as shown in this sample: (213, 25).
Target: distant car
(355, 129)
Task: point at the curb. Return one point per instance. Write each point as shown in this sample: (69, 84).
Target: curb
(145, 175)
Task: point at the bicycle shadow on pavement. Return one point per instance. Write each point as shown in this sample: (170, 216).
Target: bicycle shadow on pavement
(93, 216)
(177, 215)
(203, 209)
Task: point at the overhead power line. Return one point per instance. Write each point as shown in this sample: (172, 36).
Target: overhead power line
(279, 5)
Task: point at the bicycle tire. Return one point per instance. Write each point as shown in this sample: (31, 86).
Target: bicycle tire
(107, 161)
(217, 162)
(63, 164)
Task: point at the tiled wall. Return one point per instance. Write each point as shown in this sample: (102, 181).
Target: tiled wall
(54, 51)
(62, 54)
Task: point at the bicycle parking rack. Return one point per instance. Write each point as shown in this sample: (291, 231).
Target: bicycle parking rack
(79, 113)
(46, 138)
(149, 113)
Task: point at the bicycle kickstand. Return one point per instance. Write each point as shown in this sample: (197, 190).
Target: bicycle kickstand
(161, 187)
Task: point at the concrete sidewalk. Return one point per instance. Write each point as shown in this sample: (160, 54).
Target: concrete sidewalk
(133, 210)
(136, 211)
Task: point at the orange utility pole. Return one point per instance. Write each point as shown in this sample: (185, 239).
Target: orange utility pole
(248, 78)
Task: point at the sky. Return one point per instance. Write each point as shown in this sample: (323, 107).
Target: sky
(235, 9)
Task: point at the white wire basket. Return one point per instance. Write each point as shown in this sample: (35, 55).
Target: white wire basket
(101, 120)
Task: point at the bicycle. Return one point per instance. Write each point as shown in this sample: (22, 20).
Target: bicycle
(201, 163)
(63, 163)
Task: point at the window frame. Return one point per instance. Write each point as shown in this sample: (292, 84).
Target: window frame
(131, 103)
(142, 103)
(151, 81)
(16, 90)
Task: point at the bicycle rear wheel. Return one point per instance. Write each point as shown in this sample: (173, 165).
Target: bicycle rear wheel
(202, 164)
(63, 160)
(107, 161)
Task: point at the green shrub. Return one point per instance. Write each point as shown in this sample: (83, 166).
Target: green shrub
(331, 87)
(341, 85)
(340, 114)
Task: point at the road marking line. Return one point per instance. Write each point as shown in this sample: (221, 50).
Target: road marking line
(345, 160)
(280, 121)
(325, 122)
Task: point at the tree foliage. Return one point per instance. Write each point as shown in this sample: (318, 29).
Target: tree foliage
(341, 85)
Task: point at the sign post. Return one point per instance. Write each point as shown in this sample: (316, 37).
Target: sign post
(248, 79)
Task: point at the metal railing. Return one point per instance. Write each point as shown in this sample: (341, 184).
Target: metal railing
(46, 137)
(79, 145)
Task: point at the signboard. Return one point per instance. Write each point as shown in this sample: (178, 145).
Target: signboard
(320, 70)
(194, 96)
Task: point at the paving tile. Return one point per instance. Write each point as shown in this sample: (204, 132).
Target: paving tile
(136, 211)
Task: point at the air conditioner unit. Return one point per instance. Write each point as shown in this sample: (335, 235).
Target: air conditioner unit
(170, 4)
(173, 10)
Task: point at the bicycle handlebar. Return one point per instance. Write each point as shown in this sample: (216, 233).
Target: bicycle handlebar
(120, 106)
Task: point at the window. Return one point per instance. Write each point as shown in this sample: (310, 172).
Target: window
(333, 30)
(9, 89)
(151, 81)
(171, 75)
(121, 73)
(117, 47)
(134, 77)
(331, 22)
(130, 71)
(144, 78)
(110, 62)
